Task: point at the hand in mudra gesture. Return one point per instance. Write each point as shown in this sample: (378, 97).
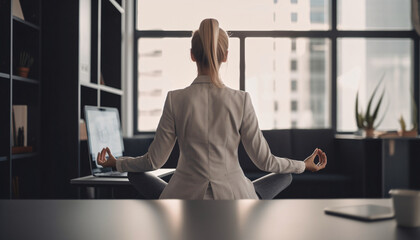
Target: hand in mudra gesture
(101, 159)
(310, 164)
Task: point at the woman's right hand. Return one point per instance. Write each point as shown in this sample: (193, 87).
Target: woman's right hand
(101, 159)
(310, 164)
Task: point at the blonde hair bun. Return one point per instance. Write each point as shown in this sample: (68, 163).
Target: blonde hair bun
(209, 47)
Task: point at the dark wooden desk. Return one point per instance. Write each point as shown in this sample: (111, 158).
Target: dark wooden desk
(92, 181)
(185, 220)
(111, 182)
(379, 164)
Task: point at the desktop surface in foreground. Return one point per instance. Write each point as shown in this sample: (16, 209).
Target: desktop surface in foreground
(185, 220)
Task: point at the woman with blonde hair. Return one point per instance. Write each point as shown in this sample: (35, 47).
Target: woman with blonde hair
(209, 120)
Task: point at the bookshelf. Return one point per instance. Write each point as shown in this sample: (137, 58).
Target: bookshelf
(4, 75)
(24, 155)
(26, 80)
(87, 35)
(18, 36)
(104, 87)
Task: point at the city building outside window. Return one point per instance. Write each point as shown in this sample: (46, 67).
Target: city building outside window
(293, 45)
(294, 106)
(285, 54)
(294, 17)
(294, 86)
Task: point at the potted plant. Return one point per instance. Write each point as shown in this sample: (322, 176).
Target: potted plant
(366, 121)
(414, 130)
(25, 64)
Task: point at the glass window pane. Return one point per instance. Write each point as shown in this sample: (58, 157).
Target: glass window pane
(164, 64)
(298, 82)
(234, 14)
(361, 65)
(374, 14)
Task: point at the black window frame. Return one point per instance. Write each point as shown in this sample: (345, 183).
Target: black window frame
(333, 34)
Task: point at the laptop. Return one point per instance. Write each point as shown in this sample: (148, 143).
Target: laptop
(103, 130)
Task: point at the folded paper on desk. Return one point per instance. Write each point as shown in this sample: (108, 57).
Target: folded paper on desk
(366, 212)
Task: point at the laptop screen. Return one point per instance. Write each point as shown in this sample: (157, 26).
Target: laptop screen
(103, 130)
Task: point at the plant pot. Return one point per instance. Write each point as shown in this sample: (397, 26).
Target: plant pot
(360, 132)
(23, 71)
(369, 132)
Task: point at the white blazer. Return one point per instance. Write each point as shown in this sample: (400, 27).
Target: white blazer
(209, 123)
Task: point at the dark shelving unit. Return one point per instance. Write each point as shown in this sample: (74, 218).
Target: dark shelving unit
(86, 35)
(24, 155)
(5, 26)
(104, 88)
(29, 24)
(5, 120)
(26, 176)
(18, 35)
(110, 53)
(26, 38)
(26, 80)
(4, 75)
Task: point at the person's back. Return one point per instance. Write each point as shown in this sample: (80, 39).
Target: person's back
(209, 120)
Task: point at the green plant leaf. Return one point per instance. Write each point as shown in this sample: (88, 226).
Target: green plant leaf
(369, 118)
(402, 123)
(360, 120)
(375, 112)
(414, 113)
(358, 123)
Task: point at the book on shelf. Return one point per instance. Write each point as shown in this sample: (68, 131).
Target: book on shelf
(83, 132)
(20, 125)
(20, 150)
(17, 9)
(20, 130)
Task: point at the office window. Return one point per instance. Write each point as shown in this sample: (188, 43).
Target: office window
(374, 14)
(294, 67)
(259, 78)
(165, 64)
(361, 65)
(232, 15)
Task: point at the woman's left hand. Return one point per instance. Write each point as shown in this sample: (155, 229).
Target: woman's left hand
(101, 159)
